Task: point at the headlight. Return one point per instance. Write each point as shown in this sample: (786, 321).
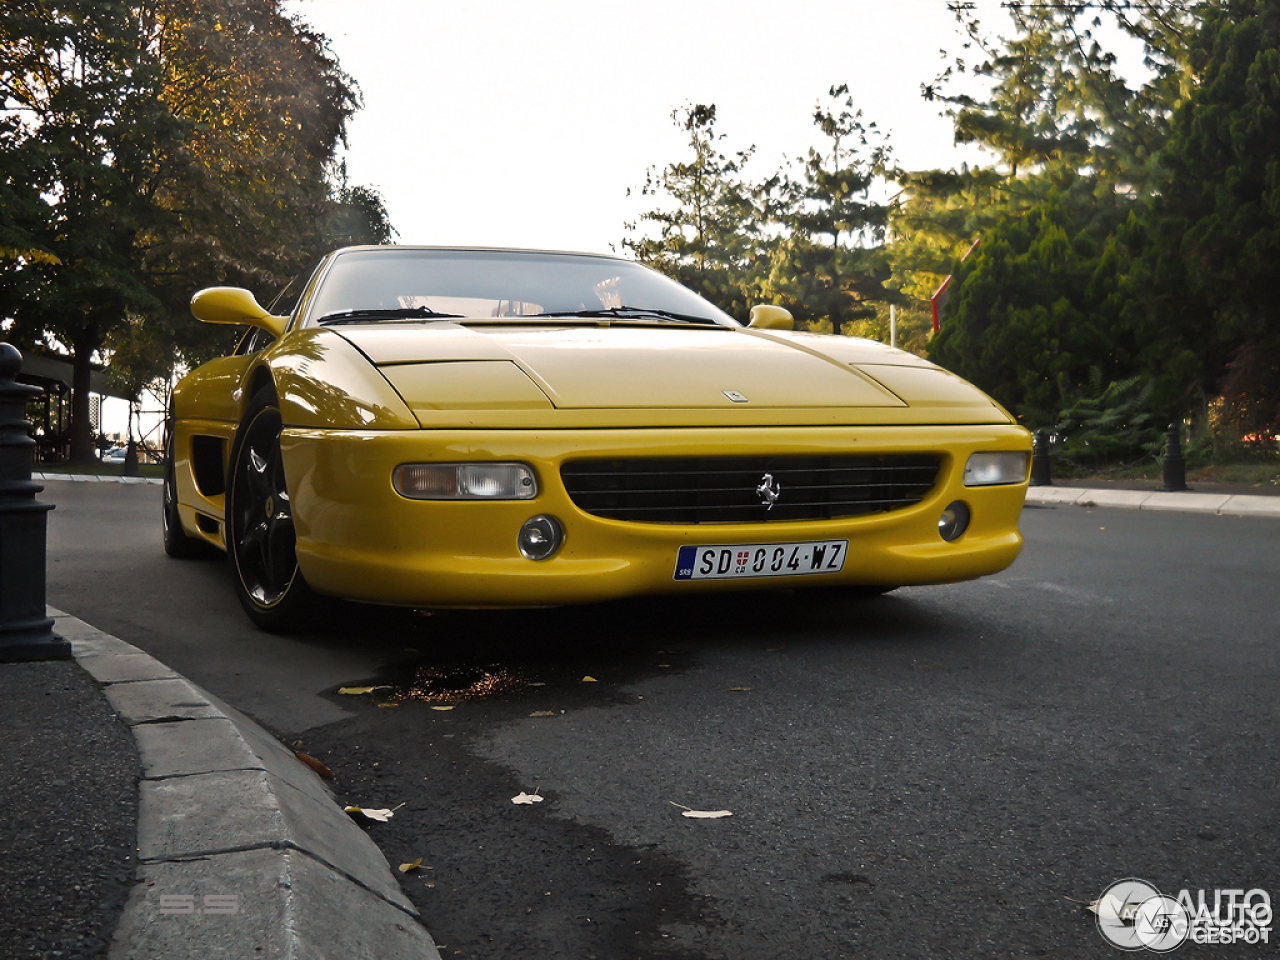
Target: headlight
(989, 469)
(465, 481)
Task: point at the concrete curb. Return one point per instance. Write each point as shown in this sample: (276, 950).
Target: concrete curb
(1221, 504)
(242, 851)
(93, 478)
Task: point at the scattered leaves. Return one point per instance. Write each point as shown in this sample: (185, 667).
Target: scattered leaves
(410, 867)
(524, 798)
(317, 765)
(701, 814)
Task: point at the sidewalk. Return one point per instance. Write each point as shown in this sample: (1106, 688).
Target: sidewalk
(144, 813)
(1222, 502)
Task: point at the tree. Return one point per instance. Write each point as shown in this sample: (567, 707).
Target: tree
(153, 148)
(712, 236)
(826, 266)
(82, 124)
(1209, 252)
(1034, 311)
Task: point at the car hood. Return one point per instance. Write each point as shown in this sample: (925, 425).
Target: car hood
(617, 367)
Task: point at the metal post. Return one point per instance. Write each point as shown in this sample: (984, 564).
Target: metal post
(1175, 469)
(1041, 470)
(26, 632)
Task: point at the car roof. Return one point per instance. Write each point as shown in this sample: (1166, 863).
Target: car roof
(477, 249)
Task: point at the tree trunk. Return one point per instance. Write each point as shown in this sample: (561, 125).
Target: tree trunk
(82, 436)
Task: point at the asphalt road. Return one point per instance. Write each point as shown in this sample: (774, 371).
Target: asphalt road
(943, 771)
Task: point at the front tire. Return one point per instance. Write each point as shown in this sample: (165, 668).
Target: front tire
(261, 541)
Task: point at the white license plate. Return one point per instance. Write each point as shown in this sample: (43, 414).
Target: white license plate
(745, 560)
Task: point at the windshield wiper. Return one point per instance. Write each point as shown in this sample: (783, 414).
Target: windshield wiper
(629, 313)
(393, 313)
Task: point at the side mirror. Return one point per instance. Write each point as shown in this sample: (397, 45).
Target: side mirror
(236, 306)
(765, 316)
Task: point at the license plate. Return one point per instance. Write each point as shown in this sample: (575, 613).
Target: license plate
(745, 560)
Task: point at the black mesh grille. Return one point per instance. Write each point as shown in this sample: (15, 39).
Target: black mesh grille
(727, 489)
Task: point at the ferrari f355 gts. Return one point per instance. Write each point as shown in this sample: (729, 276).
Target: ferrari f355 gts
(442, 427)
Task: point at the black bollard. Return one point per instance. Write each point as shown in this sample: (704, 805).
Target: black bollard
(1175, 470)
(1041, 470)
(26, 632)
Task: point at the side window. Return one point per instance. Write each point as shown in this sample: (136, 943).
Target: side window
(254, 340)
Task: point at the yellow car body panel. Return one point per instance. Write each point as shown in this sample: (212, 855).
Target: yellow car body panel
(357, 401)
(358, 538)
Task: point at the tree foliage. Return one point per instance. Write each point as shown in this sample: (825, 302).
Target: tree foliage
(152, 147)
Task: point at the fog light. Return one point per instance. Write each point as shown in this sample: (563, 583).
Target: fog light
(540, 537)
(465, 481)
(990, 469)
(954, 521)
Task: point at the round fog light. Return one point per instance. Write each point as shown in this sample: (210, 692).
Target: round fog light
(954, 521)
(540, 537)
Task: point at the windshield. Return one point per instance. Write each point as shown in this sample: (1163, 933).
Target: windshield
(403, 283)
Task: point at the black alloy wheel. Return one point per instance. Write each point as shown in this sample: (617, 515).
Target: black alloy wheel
(260, 534)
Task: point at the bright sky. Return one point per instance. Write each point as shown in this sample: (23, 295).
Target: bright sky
(510, 122)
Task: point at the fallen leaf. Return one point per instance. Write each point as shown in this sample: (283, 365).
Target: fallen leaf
(316, 765)
(537, 684)
(590, 680)
(543, 713)
(363, 814)
(663, 666)
(741, 689)
(388, 704)
(355, 691)
(701, 814)
(410, 867)
(523, 797)
(450, 707)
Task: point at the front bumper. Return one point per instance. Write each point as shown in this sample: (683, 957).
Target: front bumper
(359, 539)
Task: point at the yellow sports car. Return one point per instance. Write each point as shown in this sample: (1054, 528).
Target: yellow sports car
(438, 427)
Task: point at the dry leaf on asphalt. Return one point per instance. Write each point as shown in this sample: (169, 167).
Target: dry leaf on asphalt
(701, 814)
(741, 689)
(523, 797)
(388, 704)
(355, 691)
(543, 713)
(316, 765)
(590, 680)
(450, 707)
(410, 867)
(363, 814)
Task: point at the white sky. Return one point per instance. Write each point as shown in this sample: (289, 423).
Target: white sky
(524, 122)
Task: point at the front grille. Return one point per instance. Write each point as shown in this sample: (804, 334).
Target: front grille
(726, 489)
